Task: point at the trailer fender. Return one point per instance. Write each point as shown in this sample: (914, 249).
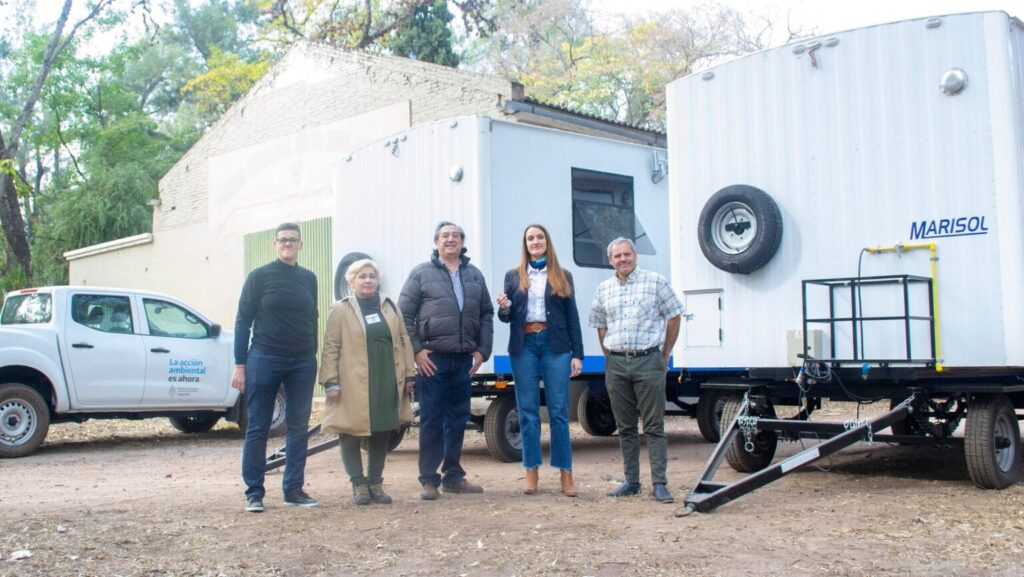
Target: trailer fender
(740, 229)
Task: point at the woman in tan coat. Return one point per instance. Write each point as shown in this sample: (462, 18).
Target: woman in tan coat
(367, 370)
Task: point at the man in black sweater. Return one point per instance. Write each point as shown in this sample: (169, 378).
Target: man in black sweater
(278, 304)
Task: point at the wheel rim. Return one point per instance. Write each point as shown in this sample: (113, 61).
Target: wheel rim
(1002, 434)
(512, 432)
(733, 228)
(277, 418)
(17, 422)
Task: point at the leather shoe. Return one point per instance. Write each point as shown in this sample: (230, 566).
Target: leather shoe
(530, 486)
(568, 487)
(429, 492)
(661, 493)
(625, 490)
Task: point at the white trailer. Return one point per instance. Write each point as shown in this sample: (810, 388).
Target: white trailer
(846, 224)
(494, 178)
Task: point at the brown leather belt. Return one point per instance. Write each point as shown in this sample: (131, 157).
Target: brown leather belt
(535, 327)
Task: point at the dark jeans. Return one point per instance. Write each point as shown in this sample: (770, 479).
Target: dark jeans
(636, 388)
(264, 375)
(444, 411)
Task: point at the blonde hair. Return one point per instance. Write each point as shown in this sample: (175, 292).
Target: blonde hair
(354, 268)
(557, 278)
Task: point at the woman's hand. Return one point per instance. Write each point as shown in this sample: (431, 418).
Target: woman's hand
(333, 394)
(575, 366)
(503, 302)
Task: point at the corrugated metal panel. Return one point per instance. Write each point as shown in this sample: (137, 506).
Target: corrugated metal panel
(856, 143)
(315, 256)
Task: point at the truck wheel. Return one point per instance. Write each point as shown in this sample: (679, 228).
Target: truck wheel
(501, 429)
(765, 442)
(194, 423)
(740, 229)
(277, 423)
(24, 420)
(595, 414)
(992, 442)
(709, 413)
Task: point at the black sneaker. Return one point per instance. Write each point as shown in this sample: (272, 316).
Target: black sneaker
(299, 499)
(254, 505)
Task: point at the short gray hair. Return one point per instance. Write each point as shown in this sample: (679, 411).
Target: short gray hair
(444, 223)
(354, 268)
(618, 241)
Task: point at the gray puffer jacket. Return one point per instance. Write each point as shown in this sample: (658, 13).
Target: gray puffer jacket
(432, 315)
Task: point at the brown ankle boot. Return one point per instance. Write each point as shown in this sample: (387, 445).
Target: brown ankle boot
(568, 487)
(532, 477)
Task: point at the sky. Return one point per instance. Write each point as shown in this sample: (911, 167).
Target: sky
(823, 16)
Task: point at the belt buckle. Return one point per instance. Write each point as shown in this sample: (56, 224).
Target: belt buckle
(632, 354)
(536, 327)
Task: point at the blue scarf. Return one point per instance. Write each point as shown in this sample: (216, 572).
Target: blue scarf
(539, 263)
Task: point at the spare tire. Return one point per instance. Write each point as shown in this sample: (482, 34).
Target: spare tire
(341, 289)
(740, 229)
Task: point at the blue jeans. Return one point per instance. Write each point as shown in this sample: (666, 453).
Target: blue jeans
(534, 363)
(264, 375)
(444, 411)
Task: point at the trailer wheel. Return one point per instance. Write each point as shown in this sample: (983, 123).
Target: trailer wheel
(277, 422)
(740, 229)
(501, 429)
(340, 284)
(24, 420)
(992, 442)
(765, 442)
(595, 414)
(709, 414)
(194, 423)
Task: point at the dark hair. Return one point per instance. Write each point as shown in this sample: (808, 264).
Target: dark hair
(444, 223)
(560, 285)
(288, 226)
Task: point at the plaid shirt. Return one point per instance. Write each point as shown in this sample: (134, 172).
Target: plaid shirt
(635, 312)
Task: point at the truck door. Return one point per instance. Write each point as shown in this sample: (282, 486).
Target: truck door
(703, 318)
(104, 350)
(186, 365)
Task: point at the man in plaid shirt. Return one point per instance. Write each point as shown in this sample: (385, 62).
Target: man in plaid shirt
(637, 316)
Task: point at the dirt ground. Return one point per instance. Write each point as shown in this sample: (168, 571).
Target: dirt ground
(140, 499)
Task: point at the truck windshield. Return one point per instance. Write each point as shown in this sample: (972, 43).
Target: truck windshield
(26, 309)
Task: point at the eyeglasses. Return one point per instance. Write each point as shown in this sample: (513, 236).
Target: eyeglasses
(288, 240)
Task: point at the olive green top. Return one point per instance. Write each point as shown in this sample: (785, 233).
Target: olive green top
(381, 361)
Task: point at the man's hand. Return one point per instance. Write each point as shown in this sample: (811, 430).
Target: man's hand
(478, 360)
(575, 366)
(238, 378)
(424, 364)
(333, 394)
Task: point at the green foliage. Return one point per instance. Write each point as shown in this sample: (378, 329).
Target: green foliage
(427, 36)
(227, 78)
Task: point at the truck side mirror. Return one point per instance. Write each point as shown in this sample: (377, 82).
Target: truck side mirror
(214, 331)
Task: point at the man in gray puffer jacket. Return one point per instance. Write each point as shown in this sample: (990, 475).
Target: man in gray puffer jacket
(448, 314)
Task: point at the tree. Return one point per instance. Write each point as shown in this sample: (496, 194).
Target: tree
(11, 216)
(427, 35)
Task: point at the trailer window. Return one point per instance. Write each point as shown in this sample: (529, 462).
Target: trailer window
(603, 210)
(26, 309)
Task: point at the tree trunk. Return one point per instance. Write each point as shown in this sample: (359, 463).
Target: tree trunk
(14, 225)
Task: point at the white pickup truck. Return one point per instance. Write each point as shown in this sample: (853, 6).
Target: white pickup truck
(69, 354)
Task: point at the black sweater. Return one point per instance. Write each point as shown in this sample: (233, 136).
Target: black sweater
(278, 304)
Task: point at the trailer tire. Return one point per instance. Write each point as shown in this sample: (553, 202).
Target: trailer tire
(341, 289)
(765, 442)
(710, 406)
(194, 423)
(595, 414)
(24, 420)
(501, 429)
(394, 439)
(278, 426)
(992, 442)
(740, 229)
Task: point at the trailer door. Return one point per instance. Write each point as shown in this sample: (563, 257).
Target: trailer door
(703, 318)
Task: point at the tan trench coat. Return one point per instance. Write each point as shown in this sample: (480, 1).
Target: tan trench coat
(344, 361)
